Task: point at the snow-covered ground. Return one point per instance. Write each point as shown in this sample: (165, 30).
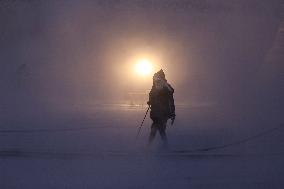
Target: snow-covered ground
(96, 148)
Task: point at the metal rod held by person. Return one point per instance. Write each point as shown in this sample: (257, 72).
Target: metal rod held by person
(139, 129)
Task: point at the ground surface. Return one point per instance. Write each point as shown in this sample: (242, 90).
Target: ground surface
(96, 148)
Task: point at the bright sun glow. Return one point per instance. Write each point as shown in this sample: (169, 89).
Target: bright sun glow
(144, 67)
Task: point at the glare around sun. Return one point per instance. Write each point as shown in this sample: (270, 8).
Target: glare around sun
(143, 67)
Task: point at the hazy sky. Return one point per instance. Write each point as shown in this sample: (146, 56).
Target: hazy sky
(210, 50)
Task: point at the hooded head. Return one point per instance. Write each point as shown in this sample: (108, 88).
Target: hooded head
(159, 75)
(159, 79)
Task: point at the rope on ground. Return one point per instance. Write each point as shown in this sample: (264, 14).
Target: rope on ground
(217, 147)
(50, 130)
(245, 140)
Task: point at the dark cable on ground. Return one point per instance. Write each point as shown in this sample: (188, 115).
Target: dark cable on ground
(50, 130)
(217, 147)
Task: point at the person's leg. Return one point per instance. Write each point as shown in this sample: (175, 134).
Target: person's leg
(162, 131)
(153, 132)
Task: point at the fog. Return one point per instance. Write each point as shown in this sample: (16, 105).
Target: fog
(75, 51)
(69, 64)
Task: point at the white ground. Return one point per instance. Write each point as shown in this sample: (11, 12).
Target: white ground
(105, 153)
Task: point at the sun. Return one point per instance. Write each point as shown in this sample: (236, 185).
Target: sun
(143, 67)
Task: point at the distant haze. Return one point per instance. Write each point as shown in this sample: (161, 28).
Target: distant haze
(70, 52)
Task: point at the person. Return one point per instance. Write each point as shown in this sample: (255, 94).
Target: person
(162, 106)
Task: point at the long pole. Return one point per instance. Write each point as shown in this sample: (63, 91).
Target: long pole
(139, 129)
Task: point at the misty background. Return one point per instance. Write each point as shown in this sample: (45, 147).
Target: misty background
(65, 56)
(66, 67)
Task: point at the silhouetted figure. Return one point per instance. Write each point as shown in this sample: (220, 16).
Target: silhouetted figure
(162, 106)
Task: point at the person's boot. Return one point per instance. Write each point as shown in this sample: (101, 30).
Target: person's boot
(165, 141)
(152, 136)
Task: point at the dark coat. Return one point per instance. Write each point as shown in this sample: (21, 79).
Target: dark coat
(162, 103)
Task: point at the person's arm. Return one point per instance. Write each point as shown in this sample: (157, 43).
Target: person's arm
(171, 102)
